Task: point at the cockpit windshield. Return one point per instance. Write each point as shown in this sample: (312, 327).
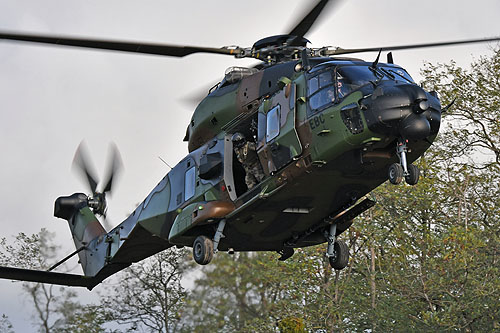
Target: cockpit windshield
(398, 74)
(333, 84)
(354, 77)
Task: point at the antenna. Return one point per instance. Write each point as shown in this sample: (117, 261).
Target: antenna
(375, 63)
(390, 59)
(161, 159)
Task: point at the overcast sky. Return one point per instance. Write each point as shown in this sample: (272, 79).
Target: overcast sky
(51, 98)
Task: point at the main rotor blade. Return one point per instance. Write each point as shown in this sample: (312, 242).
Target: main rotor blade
(124, 46)
(81, 162)
(115, 165)
(307, 22)
(340, 51)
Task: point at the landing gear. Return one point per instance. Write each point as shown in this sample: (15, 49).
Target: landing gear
(204, 248)
(398, 171)
(337, 250)
(340, 257)
(219, 234)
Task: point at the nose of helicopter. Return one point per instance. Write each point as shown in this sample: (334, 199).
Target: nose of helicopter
(415, 127)
(403, 110)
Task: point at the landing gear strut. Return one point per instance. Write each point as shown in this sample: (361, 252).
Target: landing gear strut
(337, 250)
(398, 171)
(219, 234)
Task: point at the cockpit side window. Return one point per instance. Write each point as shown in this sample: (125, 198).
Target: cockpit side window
(342, 88)
(313, 85)
(321, 90)
(322, 98)
(325, 79)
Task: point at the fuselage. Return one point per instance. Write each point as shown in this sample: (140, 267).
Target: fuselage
(325, 138)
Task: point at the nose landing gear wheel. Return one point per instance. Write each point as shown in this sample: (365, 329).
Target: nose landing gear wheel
(396, 173)
(203, 250)
(340, 259)
(413, 175)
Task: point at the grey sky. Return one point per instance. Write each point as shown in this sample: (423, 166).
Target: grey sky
(52, 98)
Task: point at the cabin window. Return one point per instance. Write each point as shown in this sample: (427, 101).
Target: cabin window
(189, 183)
(273, 123)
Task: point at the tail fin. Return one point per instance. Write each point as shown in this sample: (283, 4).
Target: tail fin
(83, 224)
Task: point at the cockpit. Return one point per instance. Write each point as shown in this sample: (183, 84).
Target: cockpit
(330, 83)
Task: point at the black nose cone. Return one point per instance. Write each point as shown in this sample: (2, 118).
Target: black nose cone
(415, 127)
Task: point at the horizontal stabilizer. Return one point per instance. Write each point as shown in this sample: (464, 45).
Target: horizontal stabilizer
(31, 275)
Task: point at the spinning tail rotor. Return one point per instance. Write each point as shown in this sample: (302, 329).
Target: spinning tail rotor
(82, 164)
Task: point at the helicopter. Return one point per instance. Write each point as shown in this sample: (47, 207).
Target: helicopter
(327, 131)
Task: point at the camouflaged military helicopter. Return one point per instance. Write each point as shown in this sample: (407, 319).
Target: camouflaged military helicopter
(327, 131)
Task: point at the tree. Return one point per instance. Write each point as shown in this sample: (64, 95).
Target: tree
(474, 130)
(82, 319)
(56, 308)
(149, 294)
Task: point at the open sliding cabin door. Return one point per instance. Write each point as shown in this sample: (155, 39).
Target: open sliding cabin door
(228, 168)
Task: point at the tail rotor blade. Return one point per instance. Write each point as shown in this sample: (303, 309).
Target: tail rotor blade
(81, 162)
(115, 165)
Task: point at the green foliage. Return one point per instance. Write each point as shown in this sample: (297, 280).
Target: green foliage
(292, 325)
(253, 292)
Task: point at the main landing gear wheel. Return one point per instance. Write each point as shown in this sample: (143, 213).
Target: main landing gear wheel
(396, 173)
(413, 175)
(340, 257)
(203, 250)
(337, 250)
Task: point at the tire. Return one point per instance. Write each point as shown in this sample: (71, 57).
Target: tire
(413, 175)
(203, 250)
(340, 258)
(396, 173)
